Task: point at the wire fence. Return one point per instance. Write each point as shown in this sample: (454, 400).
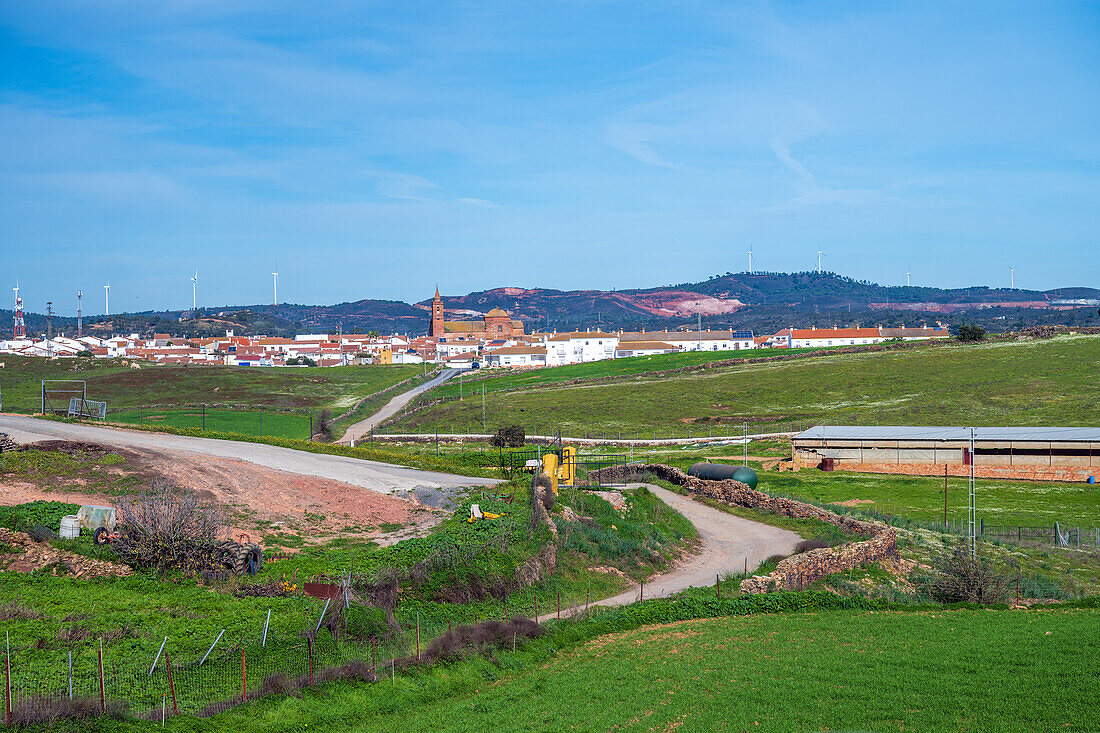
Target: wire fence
(45, 685)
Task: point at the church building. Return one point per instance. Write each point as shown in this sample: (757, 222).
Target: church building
(496, 324)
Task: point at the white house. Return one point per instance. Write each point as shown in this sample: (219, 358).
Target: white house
(576, 347)
(628, 349)
(517, 356)
(694, 340)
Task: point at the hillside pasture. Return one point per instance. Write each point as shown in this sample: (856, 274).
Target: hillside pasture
(228, 387)
(1053, 382)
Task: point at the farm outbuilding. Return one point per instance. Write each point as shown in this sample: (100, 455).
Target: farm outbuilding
(1046, 453)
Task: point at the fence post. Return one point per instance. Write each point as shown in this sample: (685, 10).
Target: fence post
(717, 587)
(171, 686)
(102, 695)
(204, 418)
(70, 674)
(559, 605)
(7, 684)
(418, 636)
(244, 678)
(373, 658)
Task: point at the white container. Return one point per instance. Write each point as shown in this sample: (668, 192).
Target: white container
(70, 527)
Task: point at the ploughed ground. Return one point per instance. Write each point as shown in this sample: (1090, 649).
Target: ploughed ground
(258, 501)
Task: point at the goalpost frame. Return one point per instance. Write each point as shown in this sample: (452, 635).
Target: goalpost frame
(45, 401)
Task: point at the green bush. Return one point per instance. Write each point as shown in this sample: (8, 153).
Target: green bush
(22, 517)
(509, 436)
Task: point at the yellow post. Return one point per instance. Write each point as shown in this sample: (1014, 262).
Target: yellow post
(550, 468)
(567, 472)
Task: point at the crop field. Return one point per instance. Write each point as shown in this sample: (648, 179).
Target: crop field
(246, 388)
(933, 670)
(1053, 382)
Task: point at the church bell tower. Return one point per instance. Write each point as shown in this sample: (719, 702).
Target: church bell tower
(436, 328)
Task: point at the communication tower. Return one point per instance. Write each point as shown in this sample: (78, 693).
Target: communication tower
(79, 314)
(20, 329)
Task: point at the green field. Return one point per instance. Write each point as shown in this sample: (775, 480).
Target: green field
(299, 389)
(494, 381)
(998, 501)
(948, 670)
(280, 424)
(1053, 382)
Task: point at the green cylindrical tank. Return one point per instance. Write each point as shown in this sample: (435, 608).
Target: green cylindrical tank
(722, 471)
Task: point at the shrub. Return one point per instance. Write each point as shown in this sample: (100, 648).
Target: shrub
(966, 579)
(509, 436)
(325, 422)
(970, 334)
(164, 528)
(23, 517)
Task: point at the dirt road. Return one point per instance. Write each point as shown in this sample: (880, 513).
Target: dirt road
(357, 430)
(381, 477)
(727, 542)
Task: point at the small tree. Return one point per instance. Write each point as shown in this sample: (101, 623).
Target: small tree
(970, 334)
(325, 425)
(967, 579)
(509, 436)
(165, 528)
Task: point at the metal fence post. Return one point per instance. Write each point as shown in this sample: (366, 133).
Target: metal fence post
(171, 686)
(102, 692)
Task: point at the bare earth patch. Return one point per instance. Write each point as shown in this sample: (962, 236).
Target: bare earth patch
(258, 499)
(854, 502)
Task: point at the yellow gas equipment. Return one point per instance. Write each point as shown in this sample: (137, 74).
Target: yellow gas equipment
(567, 471)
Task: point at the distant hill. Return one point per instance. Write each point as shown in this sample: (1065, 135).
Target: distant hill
(764, 302)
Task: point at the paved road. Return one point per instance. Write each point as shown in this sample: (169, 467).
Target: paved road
(382, 477)
(727, 542)
(357, 430)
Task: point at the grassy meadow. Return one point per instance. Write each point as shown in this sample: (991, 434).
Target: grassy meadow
(228, 387)
(1051, 382)
(928, 670)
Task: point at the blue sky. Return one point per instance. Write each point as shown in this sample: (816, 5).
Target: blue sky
(375, 149)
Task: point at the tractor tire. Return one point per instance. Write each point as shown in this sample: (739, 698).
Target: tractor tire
(101, 536)
(249, 560)
(225, 554)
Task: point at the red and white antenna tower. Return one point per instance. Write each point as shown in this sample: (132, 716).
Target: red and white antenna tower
(20, 329)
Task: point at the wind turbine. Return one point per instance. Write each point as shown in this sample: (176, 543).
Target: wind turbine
(819, 256)
(194, 285)
(907, 278)
(750, 260)
(276, 276)
(1012, 277)
(107, 299)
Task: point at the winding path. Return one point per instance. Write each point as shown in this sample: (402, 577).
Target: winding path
(357, 430)
(728, 543)
(381, 477)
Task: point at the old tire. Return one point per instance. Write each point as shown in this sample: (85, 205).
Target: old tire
(225, 554)
(249, 560)
(100, 536)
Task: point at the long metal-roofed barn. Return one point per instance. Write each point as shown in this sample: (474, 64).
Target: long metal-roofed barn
(1054, 453)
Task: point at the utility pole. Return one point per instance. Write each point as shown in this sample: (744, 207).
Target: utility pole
(972, 536)
(49, 329)
(79, 314)
(484, 427)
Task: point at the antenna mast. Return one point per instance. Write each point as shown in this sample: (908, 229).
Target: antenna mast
(49, 329)
(79, 314)
(20, 329)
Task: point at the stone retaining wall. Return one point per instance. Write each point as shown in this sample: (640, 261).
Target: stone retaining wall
(798, 570)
